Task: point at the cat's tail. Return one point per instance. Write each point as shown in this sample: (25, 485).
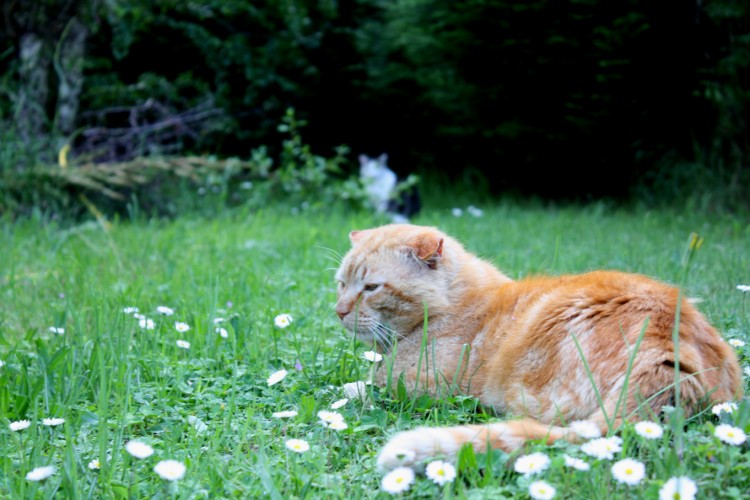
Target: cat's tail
(412, 448)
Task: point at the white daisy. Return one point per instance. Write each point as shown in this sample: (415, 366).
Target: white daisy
(198, 424)
(222, 332)
(531, 464)
(678, 488)
(146, 324)
(283, 320)
(166, 311)
(297, 445)
(440, 472)
(457, 212)
(628, 471)
(747, 371)
(276, 377)
(355, 390)
(602, 448)
(19, 425)
(57, 330)
(727, 407)
(41, 473)
(285, 414)
(743, 288)
(586, 429)
(339, 425)
(338, 404)
(398, 480)
(53, 421)
(138, 449)
(576, 463)
(474, 211)
(139, 316)
(181, 327)
(94, 464)
(183, 344)
(329, 417)
(730, 434)
(171, 470)
(2, 363)
(649, 430)
(736, 342)
(541, 490)
(130, 310)
(218, 320)
(372, 356)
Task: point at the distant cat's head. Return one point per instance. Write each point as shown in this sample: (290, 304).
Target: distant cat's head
(379, 181)
(372, 168)
(388, 276)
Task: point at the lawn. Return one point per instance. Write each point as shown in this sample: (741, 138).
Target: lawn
(194, 385)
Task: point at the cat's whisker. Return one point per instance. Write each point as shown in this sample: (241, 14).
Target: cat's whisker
(372, 328)
(332, 255)
(385, 341)
(375, 334)
(392, 334)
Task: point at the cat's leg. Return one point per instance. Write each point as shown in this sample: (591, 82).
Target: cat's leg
(651, 387)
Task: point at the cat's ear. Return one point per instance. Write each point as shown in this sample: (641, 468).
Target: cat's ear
(428, 248)
(383, 159)
(363, 160)
(356, 236)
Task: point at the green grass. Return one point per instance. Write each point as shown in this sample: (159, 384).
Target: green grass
(114, 382)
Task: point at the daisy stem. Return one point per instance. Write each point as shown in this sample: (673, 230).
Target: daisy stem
(132, 491)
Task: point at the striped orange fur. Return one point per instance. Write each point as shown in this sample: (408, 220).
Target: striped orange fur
(511, 343)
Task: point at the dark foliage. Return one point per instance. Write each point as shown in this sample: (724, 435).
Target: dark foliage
(564, 99)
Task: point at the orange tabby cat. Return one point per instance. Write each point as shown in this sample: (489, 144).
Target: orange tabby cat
(515, 344)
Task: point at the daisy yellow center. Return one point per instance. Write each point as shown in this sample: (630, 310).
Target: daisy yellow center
(399, 479)
(441, 472)
(676, 495)
(730, 434)
(628, 471)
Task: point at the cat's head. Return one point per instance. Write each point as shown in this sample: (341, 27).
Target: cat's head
(371, 167)
(388, 277)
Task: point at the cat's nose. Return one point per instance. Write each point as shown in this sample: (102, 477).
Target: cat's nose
(342, 311)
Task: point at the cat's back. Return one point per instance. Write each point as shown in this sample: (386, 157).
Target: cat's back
(612, 306)
(546, 323)
(594, 288)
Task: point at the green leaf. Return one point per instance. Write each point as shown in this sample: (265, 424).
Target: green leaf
(467, 459)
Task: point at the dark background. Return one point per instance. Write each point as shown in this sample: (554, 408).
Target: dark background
(557, 99)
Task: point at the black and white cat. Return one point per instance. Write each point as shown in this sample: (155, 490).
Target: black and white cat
(386, 193)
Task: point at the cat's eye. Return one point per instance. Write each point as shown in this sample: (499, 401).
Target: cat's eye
(342, 285)
(371, 287)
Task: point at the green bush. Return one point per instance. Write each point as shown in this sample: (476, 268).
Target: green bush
(170, 185)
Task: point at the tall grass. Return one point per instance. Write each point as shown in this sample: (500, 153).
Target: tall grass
(210, 406)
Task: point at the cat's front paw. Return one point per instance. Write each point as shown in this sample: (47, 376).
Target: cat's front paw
(413, 448)
(393, 456)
